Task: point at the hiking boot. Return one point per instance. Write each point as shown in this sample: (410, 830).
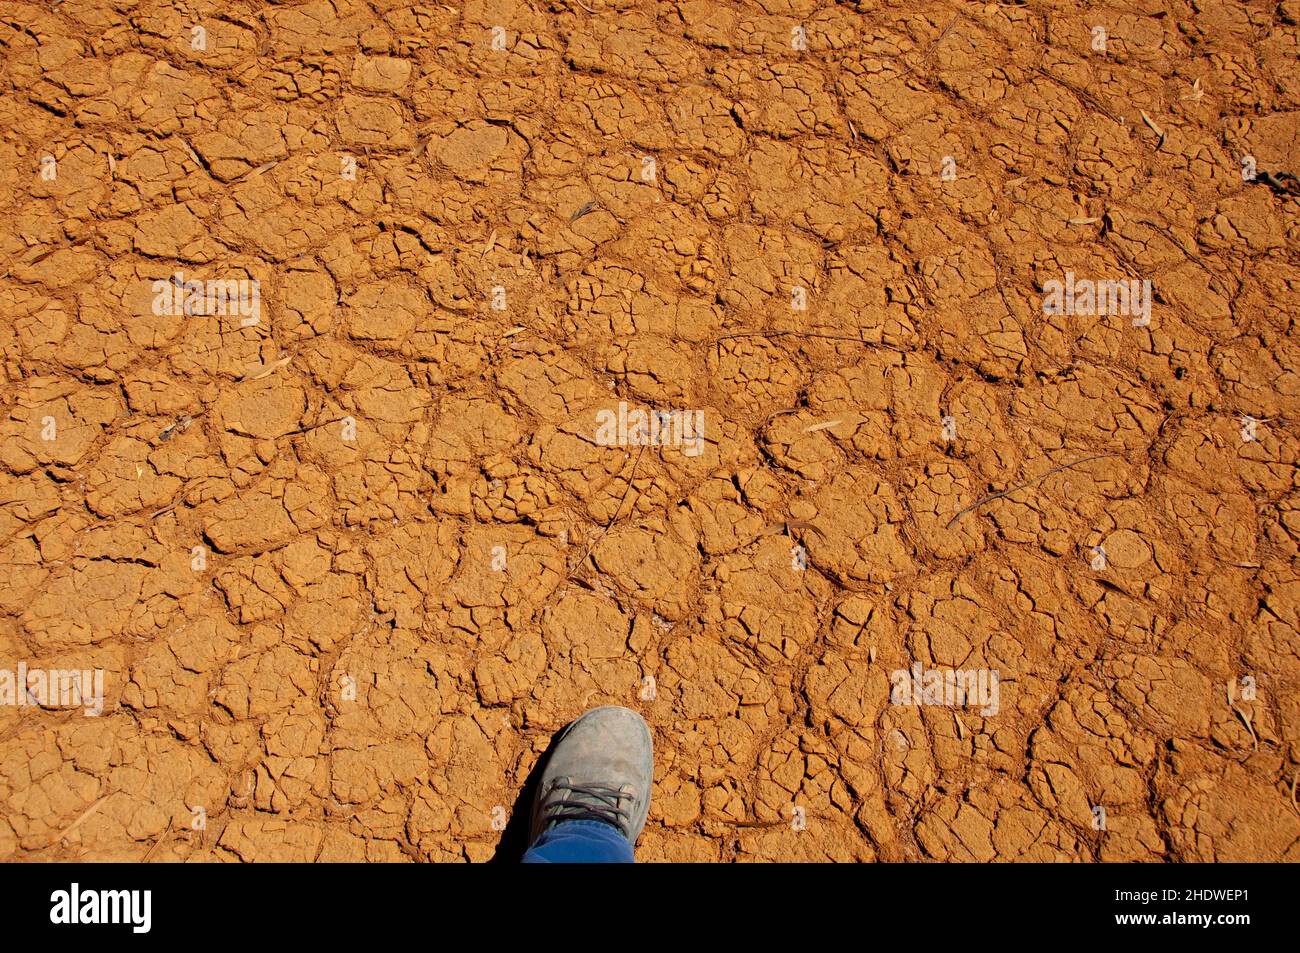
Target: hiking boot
(600, 769)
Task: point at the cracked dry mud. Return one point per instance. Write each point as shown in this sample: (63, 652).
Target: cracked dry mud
(345, 649)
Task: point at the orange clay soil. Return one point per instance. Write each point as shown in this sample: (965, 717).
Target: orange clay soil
(350, 552)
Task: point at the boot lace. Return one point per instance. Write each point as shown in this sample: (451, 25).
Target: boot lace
(589, 802)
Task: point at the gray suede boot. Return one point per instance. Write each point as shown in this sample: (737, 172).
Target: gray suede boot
(601, 769)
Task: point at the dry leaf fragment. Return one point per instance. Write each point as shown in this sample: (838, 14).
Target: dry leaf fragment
(1154, 128)
(1232, 703)
(259, 170)
(182, 422)
(585, 209)
(258, 371)
(192, 154)
(824, 425)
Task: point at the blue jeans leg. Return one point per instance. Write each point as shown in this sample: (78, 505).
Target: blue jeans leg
(580, 842)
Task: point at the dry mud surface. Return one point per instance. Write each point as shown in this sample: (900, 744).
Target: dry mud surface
(475, 228)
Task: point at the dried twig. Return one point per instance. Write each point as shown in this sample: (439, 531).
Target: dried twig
(154, 846)
(326, 423)
(778, 413)
(183, 422)
(1274, 180)
(618, 509)
(1028, 483)
(788, 525)
(806, 334)
(1082, 93)
(77, 823)
(939, 39)
(585, 209)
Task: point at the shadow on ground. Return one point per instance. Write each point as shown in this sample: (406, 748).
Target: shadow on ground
(514, 839)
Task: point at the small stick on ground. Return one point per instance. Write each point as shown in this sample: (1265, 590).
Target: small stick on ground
(292, 433)
(1028, 483)
(183, 422)
(154, 846)
(77, 823)
(778, 413)
(805, 334)
(618, 509)
(1275, 181)
(585, 209)
(787, 525)
(946, 30)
